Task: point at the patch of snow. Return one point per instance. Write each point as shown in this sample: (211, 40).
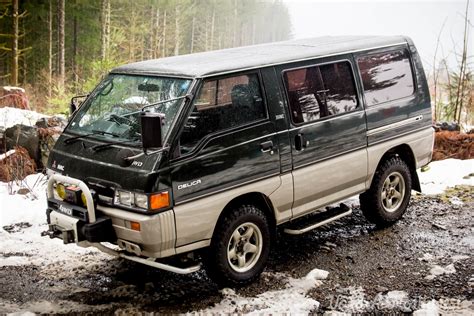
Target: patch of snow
(22, 219)
(445, 306)
(427, 309)
(353, 302)
(393, 300)
(427, 257)
(12, 116)
(454, 200)
(291, 300)
(10, 88)
(8, 153)
(446, 173)
(437, 270)
(335, 313)
(46, 307)
(459, 257)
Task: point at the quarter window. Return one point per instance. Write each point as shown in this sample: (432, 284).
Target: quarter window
(223, 104)
(319, 91)
(386, 76)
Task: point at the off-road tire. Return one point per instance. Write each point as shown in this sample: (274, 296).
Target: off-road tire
(372, 202)
(217, 262)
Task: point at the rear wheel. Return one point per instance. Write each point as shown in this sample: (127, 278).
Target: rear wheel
(240, 247)
(387, 199)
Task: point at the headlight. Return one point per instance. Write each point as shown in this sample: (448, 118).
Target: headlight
(125, 198)
(143, 201)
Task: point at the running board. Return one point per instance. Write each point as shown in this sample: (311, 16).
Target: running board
(320, 219)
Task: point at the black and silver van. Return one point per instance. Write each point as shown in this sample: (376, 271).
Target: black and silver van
(202, 157)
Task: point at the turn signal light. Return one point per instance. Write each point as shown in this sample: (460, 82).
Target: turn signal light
(159, 200)
(135, 226)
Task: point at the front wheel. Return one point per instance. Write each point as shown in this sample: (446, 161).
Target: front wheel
(387, 199)
(240, 247)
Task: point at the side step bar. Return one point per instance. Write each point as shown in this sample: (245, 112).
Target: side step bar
(147, 261)
(302, 226)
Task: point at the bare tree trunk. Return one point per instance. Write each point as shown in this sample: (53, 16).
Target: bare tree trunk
(234, 28)
(61, 48)
(193, 26)
(254, 30)
(213, 24)
(105, 28)
(163, 54)
(206, 34)
(462, 75)
(177, 31)
(50, 48)
(436, 74)
(74, 50)
(155, 41)
(25, 64)
(15, 52)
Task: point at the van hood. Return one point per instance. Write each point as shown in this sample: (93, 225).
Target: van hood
(106, 166)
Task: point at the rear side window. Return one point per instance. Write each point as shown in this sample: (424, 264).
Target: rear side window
(319, 91)
(386, 76)
(223, 104)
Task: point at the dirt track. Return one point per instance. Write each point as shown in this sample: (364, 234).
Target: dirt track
(363, 263)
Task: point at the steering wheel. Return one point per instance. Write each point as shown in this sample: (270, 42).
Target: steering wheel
(119, 119)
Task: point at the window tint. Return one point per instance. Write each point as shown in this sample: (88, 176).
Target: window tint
(320, 91)
(223, 104)
(386, 76)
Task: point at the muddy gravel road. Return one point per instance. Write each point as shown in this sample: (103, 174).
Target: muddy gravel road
(423, 260)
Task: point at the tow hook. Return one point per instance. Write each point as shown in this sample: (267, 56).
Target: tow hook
(57, 232)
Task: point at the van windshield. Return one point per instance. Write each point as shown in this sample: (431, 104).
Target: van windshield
(112, 111)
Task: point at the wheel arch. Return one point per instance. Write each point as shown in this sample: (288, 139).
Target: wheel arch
(258, 199)
(405, 153)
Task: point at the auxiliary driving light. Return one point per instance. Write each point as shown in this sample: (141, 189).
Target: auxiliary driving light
(61, 190)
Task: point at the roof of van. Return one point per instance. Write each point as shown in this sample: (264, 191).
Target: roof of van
(256, 56)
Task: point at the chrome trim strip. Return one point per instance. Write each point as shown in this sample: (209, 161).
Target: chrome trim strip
(228, 188)
(399, 135)
(394, 125)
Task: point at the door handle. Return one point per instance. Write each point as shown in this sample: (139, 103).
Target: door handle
(300, 142)
(267, 147)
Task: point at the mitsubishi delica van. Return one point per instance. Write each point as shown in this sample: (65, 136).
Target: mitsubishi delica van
(200, 158)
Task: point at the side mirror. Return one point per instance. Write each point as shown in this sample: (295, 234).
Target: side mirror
(76, 103)
(151, 124)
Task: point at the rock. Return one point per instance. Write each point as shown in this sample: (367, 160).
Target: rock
(17, 165)
(26, 137)
(439, 226)
(42, 123)
(14, 97)
(382, 289)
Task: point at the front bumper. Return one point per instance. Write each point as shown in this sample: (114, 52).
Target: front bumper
(74, 224)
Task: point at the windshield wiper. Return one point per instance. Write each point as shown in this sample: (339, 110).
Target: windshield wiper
(94, 132)
(104, 146)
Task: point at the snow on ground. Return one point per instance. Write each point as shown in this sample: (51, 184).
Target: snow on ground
(291, 300)
(22, 219)
(446, 173)
(12, 116)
